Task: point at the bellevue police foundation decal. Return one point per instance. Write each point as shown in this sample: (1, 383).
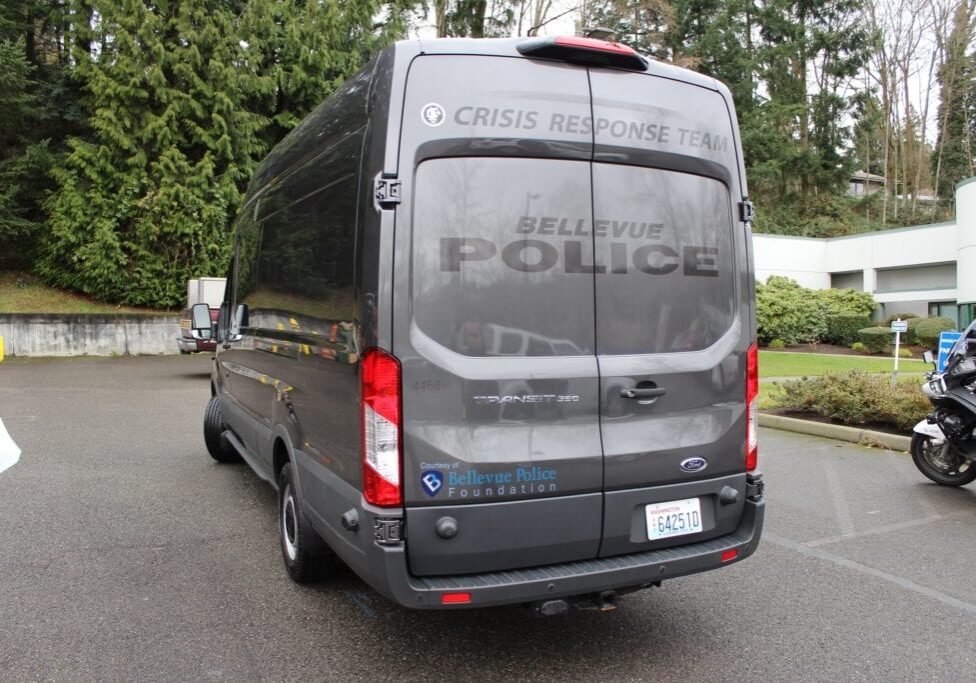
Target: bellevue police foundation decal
(432, 481)
(474, 484)
(433, 114)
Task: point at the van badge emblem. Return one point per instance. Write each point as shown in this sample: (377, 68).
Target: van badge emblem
(695, 464)
(432, 481)
(433, 114)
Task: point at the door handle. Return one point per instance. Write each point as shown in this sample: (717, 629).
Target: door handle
(654, 392)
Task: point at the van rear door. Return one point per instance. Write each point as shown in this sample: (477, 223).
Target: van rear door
(494, 316)
(671, 310)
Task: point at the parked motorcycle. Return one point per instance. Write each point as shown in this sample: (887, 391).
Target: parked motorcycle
(944, 443)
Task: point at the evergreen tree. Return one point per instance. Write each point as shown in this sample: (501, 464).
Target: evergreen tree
(17, 102)
(953, 158)
(475, 18)
(147, 203)
(810, 51)
(296, 53)
(39, 106)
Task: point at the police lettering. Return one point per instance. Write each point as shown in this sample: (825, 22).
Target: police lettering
(533, 256)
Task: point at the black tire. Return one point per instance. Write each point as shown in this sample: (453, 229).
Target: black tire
(306, 556)
(213, 428)
(943, 465)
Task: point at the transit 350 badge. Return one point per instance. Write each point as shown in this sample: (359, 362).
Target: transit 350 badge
(433, 114)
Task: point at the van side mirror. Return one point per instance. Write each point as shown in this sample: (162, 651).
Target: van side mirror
(928, 357)
(200, 321)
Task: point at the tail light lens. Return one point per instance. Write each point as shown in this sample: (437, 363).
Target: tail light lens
(752, 408)
(381, 429)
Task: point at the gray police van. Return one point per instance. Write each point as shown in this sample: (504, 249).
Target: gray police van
(490, 329)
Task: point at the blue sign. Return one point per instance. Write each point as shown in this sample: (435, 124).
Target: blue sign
(946, 342)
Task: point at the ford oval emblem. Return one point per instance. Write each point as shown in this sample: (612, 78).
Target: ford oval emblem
(695, 464)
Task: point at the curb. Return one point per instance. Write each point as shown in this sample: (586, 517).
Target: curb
(865, 437)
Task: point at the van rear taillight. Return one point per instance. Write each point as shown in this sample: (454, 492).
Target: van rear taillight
(583, 51)
(381, 428)
(752, 407)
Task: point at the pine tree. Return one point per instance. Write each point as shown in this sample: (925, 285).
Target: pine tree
(810, 51)
(147, 203)
(39, 106)
(296, 53)
(953, 158)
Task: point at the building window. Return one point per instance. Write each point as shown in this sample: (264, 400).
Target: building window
(948, 309)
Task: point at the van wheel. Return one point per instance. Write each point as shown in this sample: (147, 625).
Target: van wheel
(307, 557)
(213, 428)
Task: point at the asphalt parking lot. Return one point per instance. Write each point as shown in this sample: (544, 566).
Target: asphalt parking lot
(127, 553)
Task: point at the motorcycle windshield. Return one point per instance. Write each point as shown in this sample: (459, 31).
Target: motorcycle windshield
(959, 348)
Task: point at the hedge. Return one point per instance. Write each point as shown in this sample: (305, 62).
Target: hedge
(856, 398)
(910, 337)
(875, 339)
(795, 314)
(927, 331)
(842, 328)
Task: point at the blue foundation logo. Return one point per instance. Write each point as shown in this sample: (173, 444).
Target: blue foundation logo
(432, 482)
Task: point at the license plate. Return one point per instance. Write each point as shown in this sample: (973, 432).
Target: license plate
(673, 518)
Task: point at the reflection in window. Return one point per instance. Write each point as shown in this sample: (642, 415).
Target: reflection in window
(492, 275)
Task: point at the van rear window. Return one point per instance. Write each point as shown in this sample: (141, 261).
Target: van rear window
(666, 240)
(502, 256)
(507, 253)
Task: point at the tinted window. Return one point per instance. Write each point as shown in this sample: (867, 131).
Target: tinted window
(665, 239)
(307, 226)
(502, 256)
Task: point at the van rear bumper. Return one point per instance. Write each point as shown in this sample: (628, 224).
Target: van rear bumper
(391, 576)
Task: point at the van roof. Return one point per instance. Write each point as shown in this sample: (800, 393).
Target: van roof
(506, 47)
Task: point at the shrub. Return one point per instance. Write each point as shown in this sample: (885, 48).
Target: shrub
(858, 346)
(857, 398)
(777, 344)
(785, 310)
(927, 331)
(905, 353)
(842, 327)
(875, 339)
(836, 301)
(910, 337)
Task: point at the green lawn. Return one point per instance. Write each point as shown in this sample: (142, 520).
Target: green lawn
(20, 293)
(779, 364)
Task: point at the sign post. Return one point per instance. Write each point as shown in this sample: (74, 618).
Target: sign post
(897, 326)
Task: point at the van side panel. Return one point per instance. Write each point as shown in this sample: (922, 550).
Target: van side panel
(293, 373)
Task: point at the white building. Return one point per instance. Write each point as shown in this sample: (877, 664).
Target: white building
(926, 269)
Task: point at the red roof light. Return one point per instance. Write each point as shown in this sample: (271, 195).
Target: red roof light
(594, 44)
(589, 51)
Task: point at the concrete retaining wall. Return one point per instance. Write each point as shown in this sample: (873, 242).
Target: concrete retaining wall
(59, 334)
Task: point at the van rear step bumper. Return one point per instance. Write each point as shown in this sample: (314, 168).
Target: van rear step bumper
(620, 573)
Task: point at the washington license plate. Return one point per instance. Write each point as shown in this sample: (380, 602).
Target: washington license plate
(673, 518)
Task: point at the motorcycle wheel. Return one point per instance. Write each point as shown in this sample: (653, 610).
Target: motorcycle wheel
(941, 462)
